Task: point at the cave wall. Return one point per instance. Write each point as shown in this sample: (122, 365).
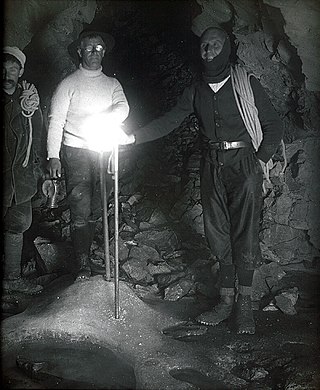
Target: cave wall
(278, 40)
(25, 18)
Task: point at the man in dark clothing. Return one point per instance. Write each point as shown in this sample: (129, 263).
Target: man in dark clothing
(22, 125)
(234, 151)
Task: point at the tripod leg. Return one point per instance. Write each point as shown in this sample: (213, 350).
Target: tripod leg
(104, 202)
(116, 231)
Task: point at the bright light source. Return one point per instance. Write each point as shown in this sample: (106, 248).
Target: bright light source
(103, 132)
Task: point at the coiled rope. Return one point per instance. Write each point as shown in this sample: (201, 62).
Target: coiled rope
(244, 97)
(29, 103)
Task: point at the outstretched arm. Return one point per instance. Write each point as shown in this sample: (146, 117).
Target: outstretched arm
(166, 123)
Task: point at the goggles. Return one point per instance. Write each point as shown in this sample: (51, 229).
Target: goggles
(90, 48)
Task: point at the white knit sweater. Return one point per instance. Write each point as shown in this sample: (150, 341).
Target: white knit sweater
(83, 95)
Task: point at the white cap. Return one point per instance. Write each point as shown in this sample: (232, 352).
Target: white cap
(16, 52)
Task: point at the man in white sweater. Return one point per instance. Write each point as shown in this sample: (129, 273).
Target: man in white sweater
(79, 100)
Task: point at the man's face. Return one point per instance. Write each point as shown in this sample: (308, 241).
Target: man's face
(211, 44)
(91, 52)
(11, 73)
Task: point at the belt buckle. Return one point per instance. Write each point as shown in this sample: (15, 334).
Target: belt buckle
(225, 145)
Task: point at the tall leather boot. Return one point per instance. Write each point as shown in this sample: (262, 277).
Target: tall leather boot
(244, 314)
(222, 311)
(92, 228)
(12, 280)
(80, 239)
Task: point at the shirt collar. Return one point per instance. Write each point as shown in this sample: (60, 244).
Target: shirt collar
(216, 86)
(89, 72)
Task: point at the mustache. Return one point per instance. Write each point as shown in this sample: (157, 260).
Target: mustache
(8, 81)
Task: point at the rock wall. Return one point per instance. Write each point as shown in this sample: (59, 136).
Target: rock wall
(25, 18)
(302, 27)
(43, 30)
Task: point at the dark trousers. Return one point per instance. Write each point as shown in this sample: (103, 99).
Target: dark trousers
(82, 175)
(16, 220)
(232, 201)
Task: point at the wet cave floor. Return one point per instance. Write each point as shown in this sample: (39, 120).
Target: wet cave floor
(154, 340)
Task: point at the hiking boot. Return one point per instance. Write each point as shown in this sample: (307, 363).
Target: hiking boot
(83, 275)
(84, 272)
(244, 314)
(221, 312)
(82, 239)
(21, 285)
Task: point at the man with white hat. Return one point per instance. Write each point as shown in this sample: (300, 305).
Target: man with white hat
(23, 124)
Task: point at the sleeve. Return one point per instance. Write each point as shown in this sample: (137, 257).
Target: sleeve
(270, 121)
(57, 117)
(120, 106)
(166, 123)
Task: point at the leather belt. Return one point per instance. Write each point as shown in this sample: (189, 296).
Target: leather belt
(226, 145)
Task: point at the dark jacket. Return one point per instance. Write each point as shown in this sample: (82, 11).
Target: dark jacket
(219, 119)
(19, 183)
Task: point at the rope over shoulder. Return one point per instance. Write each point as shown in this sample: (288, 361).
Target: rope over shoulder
(240, 80)
(29, 101)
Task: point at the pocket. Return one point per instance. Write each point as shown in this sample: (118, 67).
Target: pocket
(70, 154)
(258, 163)
(250, 165)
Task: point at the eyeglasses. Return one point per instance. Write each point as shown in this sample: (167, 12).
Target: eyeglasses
(97, 48)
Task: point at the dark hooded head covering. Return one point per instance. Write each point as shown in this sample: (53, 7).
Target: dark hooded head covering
(218, 69)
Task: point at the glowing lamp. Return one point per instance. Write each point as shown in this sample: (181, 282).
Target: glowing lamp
(103, 132)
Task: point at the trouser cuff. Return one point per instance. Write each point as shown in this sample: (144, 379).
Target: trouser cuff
(227, 291)
(244, 290)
